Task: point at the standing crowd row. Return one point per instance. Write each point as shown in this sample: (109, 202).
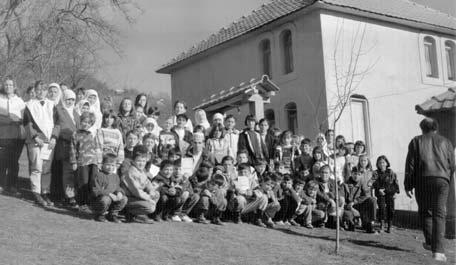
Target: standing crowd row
(124, 164)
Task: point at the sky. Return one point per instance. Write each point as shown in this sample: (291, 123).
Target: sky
(167, 27)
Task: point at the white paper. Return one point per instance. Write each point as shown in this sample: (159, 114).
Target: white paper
(154, 170)
(45, 152)
(242, 183)
(187, 165)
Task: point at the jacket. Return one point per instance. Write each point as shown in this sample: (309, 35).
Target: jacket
(103, 184)
(385, 180)
(354, 192)
(64, 129)
(11, 114)
(245, 143)
(136, 184)
(429, 155)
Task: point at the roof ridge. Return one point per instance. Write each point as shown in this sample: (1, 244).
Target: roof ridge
(427, 7)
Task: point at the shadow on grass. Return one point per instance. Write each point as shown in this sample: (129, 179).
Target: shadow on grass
(367, 243)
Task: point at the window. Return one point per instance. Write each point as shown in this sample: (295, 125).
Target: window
(270, 116)
(292, 116)
(354, 121)
(287, 51)
(450, 57)
(430, 57)
(265, 53)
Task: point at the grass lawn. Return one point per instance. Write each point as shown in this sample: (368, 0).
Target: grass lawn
(33, 235)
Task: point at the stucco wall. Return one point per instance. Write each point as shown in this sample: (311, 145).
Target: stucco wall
(240, 61)
(393, 87)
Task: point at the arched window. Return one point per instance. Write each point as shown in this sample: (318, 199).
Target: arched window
(265, 55)
(292, 116)
(286, 41)
(270, 116)
(450, 57)
(430, 56)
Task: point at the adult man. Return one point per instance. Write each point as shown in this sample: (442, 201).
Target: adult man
(429, 166)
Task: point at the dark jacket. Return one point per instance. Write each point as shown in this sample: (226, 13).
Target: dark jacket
(65, 128)
(244, 143)
(385, 180)
(323, 196)
(270, 144)
(103, 184)
(429, 155)
(164, 184)
(355, 192)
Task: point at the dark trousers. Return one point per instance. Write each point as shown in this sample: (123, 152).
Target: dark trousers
(10, 151)
(287, 209)
(431, 195)
(367, 209)
(85, 175)
(385, 208)
(103, 204)
(168, 204)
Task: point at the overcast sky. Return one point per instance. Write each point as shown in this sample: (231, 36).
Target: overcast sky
(168, 27)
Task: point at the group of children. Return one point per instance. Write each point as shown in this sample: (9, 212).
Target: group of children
(124, 164)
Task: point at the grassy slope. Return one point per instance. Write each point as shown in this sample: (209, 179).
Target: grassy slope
(31, 235)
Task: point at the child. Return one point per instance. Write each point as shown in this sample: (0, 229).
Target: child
(338, 158)
(305, 159)
(174, 155)
(167, 140)
(307, 212)
(358, 203)
(109, 138)
(184, 136)
(132, 140)
(320, 141)
(126, 119)
(250, 140)
(364, 168)
(149, 143)
(216, 143)
(150, 126)
(212, 201)
(386, 187)
(142, 195)
(285, 151)
(139, 114)
(107, 195)
(84, 157)
(187, 192)
(326, 197)
(170, 193)
(288, 200)
(260, 168)
(231, 135)
(318, 160)
(267, 139)
(180, 107)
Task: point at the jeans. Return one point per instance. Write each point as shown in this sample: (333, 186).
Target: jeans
(431, 195)
(40, 170)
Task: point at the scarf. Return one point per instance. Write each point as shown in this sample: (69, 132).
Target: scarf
(68, 94)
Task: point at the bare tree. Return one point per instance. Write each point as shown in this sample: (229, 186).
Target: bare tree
(348, 75)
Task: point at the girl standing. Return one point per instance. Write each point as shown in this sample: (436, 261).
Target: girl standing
(54, 93)
(364, 167)
(318, 161)
(126, 119)
(385, 187)
(94, 101)
(286, 151)
(216, 143)
(109, 138)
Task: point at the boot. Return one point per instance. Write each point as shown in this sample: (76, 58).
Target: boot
(388, 229)
(258, 219)
(216, 220)
(201, 219)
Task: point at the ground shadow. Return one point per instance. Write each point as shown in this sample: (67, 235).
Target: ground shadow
(295, 233)
(375, 244)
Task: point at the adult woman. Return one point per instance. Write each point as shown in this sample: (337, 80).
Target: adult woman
(11, 135)
(201, 119)
(54, 93)
(94, 101)
(181, 108)
(66, 123)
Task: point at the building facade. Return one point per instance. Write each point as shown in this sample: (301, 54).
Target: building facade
(312, 49)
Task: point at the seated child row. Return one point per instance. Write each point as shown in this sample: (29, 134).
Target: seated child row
(230, 191)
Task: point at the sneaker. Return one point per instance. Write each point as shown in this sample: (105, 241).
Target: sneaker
(202, 220)
(309, 226)
(176, 218)
(39, 200)
(293, 222)
(72, 203)
(217, 221)
(101, 218)
(270, 223)
(259, 223)
(426, 246)
(186, 219)
(279, 222)
(439, 256)
(114, 218)
(47, 200)
(142, 219)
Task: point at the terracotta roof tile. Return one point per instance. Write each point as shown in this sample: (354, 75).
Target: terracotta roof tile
(400, 9)
(444, 101)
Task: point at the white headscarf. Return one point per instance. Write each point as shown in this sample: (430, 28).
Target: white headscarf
(67, 94)
(201, 119)
(218, 116)
(59, 93)
(156, 130)
(95, 109)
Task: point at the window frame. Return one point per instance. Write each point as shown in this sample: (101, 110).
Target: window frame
(445, 62)
(436, 79)
(287, 109)
(286, 51)
(263, 54)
